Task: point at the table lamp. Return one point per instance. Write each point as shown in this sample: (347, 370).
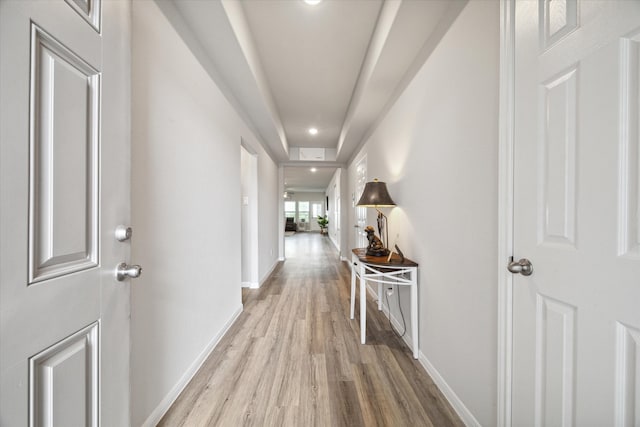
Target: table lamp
(375, 195)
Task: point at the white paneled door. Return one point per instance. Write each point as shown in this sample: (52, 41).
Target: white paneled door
(576, 331)
(64, 187)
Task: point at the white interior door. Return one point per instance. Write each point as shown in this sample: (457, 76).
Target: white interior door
(361, 213)
(576, 331)
(64, 187)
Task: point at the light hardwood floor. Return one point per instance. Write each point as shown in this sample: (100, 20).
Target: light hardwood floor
(293, 358)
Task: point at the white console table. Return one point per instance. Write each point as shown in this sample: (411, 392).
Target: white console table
(379, 270)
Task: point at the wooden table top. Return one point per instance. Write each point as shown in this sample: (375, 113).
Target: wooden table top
(361, 253)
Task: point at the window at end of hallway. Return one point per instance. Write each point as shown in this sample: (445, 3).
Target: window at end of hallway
(290, 209)
(303, 211)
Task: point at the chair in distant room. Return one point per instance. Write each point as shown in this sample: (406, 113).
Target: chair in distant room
(290, 225)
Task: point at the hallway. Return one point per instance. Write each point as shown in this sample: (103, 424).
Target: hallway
(293, 358)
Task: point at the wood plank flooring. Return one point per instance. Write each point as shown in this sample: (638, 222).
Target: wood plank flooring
(293, 358)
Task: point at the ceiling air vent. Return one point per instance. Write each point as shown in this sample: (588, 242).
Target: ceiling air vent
(312, 154)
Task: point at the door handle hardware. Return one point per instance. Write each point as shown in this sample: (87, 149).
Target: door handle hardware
(523, 267)
(123, 233)
(123, 271)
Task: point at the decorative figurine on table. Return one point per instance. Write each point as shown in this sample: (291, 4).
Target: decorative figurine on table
(375, 248)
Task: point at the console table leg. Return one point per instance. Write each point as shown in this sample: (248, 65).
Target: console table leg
(414, 316)
(363, 309)
(353, 291)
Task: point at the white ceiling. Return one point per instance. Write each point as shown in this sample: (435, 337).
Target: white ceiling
(287, 66)
(311, 56)
(301, 178)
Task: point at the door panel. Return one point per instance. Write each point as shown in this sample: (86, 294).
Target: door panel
(63, 160)
(64, 381)
(557, 201)
(629, 198)
(558, 18)
(555, 358)
(576, 213)
(627, 376)
(89, 10)
(64, 186)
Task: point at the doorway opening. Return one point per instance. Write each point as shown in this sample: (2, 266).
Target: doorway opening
(307, 200)
(249, 221)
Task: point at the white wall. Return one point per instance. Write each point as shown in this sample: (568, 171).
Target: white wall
(260, 242)
(281, 218)
(186, 212)
(437, 151)
(268, 207)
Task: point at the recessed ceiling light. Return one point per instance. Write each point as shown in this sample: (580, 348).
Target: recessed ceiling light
(313, 169)
(312, 2)
(313, 131)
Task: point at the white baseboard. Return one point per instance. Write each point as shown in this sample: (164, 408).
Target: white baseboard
(252, 285)
(154, 418)
(463, 412)
(281, 258)
(372, 292)
(257, 285)
(398, 326)
(334, 243)
(266, 276)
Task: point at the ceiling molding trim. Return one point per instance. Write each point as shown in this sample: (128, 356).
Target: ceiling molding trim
(239, 25)
(387, 16)
(296, 190)
(182, 28)
(312, 164)
(425, 52)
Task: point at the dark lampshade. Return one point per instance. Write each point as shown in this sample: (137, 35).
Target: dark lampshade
(375, 195)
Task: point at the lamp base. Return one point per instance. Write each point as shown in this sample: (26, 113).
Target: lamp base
(377, 252)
